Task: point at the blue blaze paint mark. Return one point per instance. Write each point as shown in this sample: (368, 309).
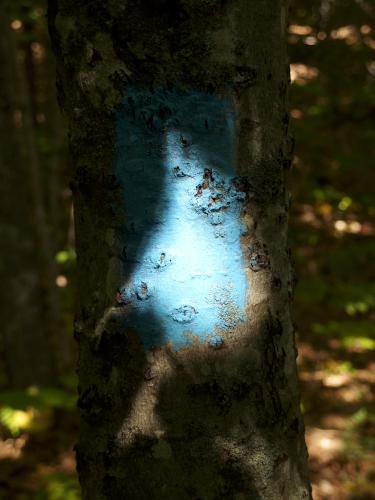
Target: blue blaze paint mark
(184, 272)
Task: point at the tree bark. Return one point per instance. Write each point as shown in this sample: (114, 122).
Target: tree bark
(186, 390)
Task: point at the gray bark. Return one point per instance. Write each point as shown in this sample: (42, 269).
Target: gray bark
(204, 420)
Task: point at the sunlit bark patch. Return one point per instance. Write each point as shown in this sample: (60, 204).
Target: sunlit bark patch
(184, 273)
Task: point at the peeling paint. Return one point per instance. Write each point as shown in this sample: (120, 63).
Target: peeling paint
(184, 314)
(216, 341)
(184, 275)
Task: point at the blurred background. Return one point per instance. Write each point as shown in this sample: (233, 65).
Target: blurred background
(332, 103)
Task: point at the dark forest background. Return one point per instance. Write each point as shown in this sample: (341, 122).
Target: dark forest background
(332, 182)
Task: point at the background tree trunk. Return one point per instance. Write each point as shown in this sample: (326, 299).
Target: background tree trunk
(216, 417)
(28, 296)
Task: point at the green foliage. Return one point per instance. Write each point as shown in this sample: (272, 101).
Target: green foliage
(66, 256)
(14, 420)
(361, 343)
(347, 331)
(35, 397)
(363, 306)
(29, 409)
(340, 367)
(59, 486)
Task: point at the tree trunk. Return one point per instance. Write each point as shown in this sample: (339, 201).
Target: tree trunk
(26, 297)
(179, 137)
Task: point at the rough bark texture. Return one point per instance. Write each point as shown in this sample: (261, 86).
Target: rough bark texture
(203, 421)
